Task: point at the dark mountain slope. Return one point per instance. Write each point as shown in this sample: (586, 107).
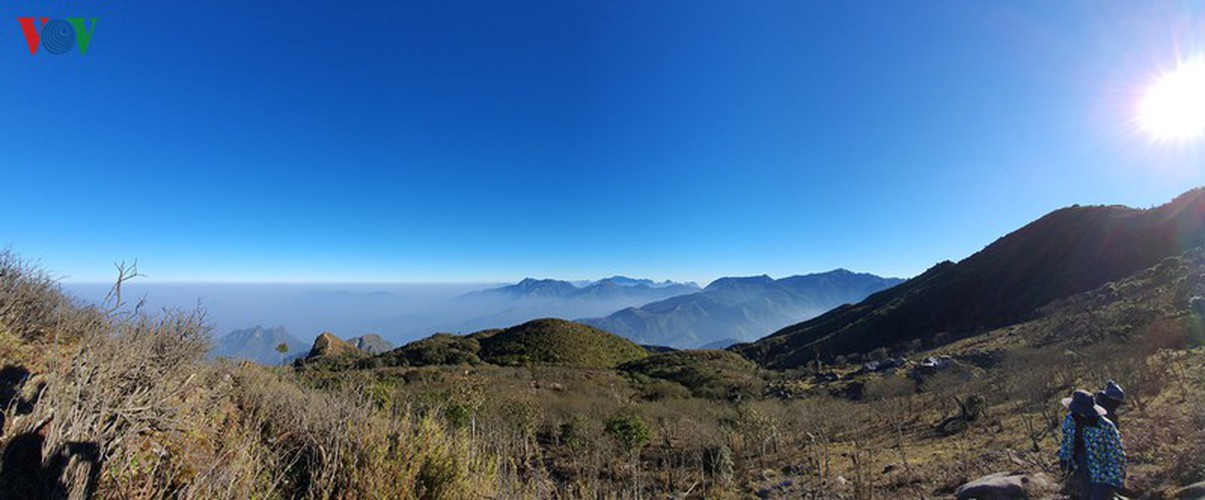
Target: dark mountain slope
(739, 308)
(1068, 251)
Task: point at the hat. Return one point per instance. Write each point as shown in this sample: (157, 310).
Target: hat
(1082, 403)
(1114, 391)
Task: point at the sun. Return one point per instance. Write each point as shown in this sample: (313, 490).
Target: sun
(1174, 107)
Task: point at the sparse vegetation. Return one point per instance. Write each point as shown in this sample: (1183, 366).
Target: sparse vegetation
(438, 349)
(705, 374)
(118, 403)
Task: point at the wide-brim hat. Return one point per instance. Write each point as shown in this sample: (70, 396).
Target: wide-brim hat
(1114, 391)
(1082, 403)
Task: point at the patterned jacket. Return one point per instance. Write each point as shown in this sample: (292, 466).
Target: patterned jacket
(1106, 455)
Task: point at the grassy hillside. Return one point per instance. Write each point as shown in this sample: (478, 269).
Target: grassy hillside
(1069, 251)
(109, 403)
(558, 342)
(539, 342)
(668, 423)
(438, 349)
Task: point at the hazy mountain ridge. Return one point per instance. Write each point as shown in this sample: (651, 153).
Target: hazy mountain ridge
(615, 286)
(739, 308)
(1069, 251)
(534, 298)
(371, 343)
(259, 344)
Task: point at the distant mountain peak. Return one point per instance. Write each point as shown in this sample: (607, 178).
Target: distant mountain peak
(626, 281)
(545, 287)
(371, 343)
(729, 282)
(534, 298)
(739, 308)
(258, 344)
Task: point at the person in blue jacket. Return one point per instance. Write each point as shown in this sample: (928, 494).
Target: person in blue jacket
(1111, 398)
(1091, 449)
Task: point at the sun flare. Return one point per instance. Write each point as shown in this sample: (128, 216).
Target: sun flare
(1174, 107)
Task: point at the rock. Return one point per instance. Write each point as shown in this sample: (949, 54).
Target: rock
(328, 345)
(1005, 486)
(951, 425)
(1195, 491)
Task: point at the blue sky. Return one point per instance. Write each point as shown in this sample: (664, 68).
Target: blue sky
(421, 141)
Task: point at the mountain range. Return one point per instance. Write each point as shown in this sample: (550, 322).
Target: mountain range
(542, 298)
(613, 288)
(259, 344)
(1066, 252)
(731, 310)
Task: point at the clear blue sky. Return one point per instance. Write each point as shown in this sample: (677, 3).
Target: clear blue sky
(445, 140)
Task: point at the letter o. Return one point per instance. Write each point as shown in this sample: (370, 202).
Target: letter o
(58, 37)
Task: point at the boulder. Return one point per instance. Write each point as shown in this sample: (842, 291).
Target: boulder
(1006, 486)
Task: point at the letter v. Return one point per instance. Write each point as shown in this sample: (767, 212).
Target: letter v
(82, 35)
(31, 32)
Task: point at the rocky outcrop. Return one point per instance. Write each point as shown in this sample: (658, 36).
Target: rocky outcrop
(1006, 486)
(328, 345)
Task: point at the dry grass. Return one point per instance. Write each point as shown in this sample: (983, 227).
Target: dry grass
(122, 404)
(118, 403)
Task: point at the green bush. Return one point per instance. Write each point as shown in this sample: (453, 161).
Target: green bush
(707, 374)
(630, 430)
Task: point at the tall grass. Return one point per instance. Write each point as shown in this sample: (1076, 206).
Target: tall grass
(123, 404)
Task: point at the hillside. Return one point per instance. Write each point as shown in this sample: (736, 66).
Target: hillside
(438, 349)
(1068, 251)
(259, 344)
(538, 342)
(558, 342)
(673, 425)
(704, 374)
(125, 404)
(739, 309)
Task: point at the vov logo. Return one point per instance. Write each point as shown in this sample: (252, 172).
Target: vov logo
(58, 36)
